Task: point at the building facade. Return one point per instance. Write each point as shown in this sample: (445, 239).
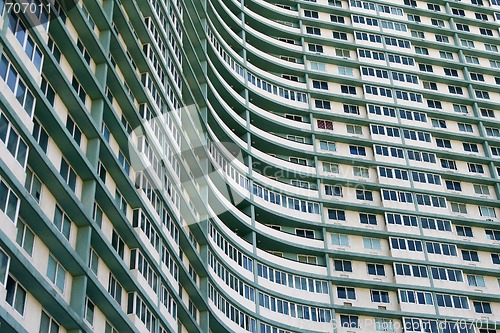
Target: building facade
(250, 166)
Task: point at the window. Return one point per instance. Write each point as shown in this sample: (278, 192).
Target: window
(349, 321)
(354, 129)
(450, 72)
(117, 244)
(417, 297)
(346, 293)
(470, 147)
(453, 185)
(367, 219)
(320, 84)
(452, 301)
(408, 96)
(297, 160)
(73, 129)
(495, 258)
(115, 289)
(327, 145)
(361, 172)
(330, 167)
(343, 53)
(460, 108)
(411, 270)
(79, 89)
(48, 324)
(306, 233)
(337, 19)
(399, 196)
(422, 177)
(340, 239)
(437, 23)
(443, 143)
(458, 207)
(4, 267)
(376, 269)
(482, 307)
(438, 123)
(481, 189)
(14, 142)
(324, 124)
(406, 244)
(448, 164)
(40, 135)
(406, 220)
(487, 112)
(475, 281)
(307, 259)
(372, 243)
(487, 211)
(433, 104)
(475, 168)
(446, 55)
(56, 273)
(351, 109)
(16, 295)
(421, 156)
(322, 104)
(465, 128)
(472, 60)
(89, 311)
(467, 43)
(25, 238)
(468, 255)
(492, 234)
(62, 222)
(435, 224)
(333, 190)
(414, 18)
(357, 150)
(342, 265)
(425, 68)
(379, 296)
(348, 89)
(294, 117)
(311, 13)
(486, 32)
(335, 214)
(455, 90)
(33, 185)
(313, 31)
(491, 47)
(379, 110)
(93, 261)
(439, 248)
(68, 174)
(464, 231)
(339, 35)
(315, 48)
(364, 195)
(13, 80)
(482, 94)
(477, 77)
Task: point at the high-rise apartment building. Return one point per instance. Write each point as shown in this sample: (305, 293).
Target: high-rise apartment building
(265, 166)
